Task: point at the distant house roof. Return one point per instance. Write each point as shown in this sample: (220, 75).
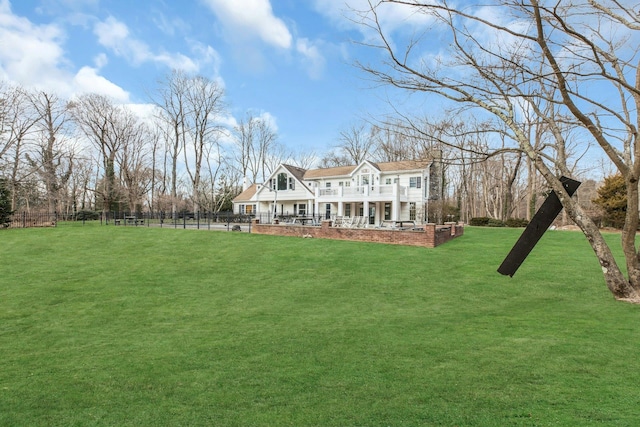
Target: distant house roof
(247, 194)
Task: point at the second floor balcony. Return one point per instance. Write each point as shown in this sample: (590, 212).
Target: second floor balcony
(365, 192)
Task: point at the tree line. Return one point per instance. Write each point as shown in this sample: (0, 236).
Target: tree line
(92, 154)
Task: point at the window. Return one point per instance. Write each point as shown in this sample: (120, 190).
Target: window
(347, 184)
(412, 211)
(340, 184)
(282, 181)
(364, 179)
(241, 207)
(327, 211)
(248, 209)
(327, 184)
(415, 182)
(302, 209)
(387, 181)
(387, 211)
(347, 210)
(292, 183)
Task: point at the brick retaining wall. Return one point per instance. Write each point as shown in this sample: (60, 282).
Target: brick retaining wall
(432, 236)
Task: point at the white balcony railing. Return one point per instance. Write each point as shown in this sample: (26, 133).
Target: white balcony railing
(362, 191)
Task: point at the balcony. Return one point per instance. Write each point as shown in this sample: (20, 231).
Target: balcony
(368, 192)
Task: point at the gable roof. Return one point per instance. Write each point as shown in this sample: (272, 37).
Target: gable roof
(297, 172)
(247, 194)
(405, 165)
(328, 172)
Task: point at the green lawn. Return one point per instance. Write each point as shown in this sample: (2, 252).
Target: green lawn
(136, 326)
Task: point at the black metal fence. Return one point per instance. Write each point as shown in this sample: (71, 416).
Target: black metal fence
(198, 220)
(33, 219)
(184, 219)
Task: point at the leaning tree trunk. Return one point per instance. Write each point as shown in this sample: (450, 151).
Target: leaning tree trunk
(629, 231)
(620, 287)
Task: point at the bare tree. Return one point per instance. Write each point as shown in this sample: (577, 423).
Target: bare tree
(255, 147)
(190, 106)
(357, 142)
(172, 106)
(53, 156)
(108, 128)
(19, 118)
(204, 105)
(135, 170)
(524, 49)
(303, 159)
(333, 158)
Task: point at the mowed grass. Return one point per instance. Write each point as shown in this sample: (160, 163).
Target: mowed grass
(126, 326)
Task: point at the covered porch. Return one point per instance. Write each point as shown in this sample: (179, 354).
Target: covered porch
(375, 202)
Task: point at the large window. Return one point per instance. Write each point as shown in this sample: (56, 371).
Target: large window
(302, 209)
(282, 181)
(347, 210)
(412, 211)
(415, 182)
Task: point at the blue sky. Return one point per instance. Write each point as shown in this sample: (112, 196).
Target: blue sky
(290, 60)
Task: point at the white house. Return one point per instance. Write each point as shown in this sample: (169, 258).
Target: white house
(379, 191)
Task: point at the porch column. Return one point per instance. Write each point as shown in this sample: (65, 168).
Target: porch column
(395, 205)
(340, 208)
(365, 210)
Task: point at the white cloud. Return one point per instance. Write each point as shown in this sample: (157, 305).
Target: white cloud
(29, 54)
(393, 17)
(115, 35)
(33, 56)
(100, 60)
(251, 18)
(312, 58)
(87, 80)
